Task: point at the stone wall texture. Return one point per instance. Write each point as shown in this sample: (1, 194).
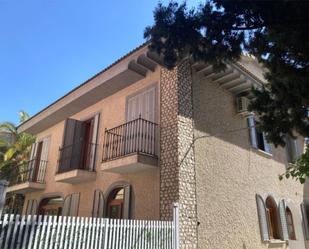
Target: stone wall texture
(177, 165)
(230, 173)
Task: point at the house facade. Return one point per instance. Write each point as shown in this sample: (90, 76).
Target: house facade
(136, 138)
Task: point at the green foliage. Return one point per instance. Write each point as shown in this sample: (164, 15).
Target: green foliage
(18, 152)
(300, 170)
(275, 32)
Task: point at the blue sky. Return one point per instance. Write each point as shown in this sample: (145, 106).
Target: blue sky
(48, 47)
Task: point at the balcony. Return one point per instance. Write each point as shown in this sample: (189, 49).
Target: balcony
(27, 177)
(130, 147)
(76, 163)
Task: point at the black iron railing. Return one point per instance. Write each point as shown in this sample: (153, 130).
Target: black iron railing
(136, 136)
(79, 155)
(31, 171)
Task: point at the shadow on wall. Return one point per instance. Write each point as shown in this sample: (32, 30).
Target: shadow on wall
(215, 116)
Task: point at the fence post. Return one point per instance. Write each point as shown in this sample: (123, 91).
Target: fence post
(3, 187)
(176, 225)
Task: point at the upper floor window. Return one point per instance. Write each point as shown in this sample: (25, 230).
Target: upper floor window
(257, 138)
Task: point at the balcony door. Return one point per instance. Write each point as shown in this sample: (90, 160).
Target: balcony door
(79, 144)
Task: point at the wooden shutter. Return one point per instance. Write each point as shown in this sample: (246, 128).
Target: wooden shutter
(261, 210)
(94, 141)
(72, 144)
(252, 132)
(71, 205)
(292, 149)
(33, 151)
(98, 204)
(303, 207)
(31, 208)
(43, 159)
(127, 202)
(32, 162)
(3, 189)
(267, 146)
(283, 221)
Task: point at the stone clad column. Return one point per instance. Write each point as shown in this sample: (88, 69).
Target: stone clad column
(177, 164)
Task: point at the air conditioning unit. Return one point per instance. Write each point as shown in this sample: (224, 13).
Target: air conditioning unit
(242, 104)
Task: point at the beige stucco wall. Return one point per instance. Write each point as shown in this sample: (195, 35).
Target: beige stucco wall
(229, 175)
(145, 184)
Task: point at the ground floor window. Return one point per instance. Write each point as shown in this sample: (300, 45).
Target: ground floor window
(115, 204)
(118, 202)
(272, 218)
(290, 224)
(51, 206)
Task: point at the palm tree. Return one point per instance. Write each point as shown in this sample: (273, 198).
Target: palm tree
(18, 152)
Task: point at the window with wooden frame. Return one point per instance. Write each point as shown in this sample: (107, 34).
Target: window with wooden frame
(272, 218)
(118, 204)
(290, 224)
(115, 204)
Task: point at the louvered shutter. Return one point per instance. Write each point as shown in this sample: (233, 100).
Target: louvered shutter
(303, 207)
(98, 204)
(142, 105)
(32, 162)
(94, 141)
(72, 145)
(283, 222)
(43, 159)
(127, 202)
(267, 146)
(3, 188)
(31, 208)
(71, 205)
(292, 149)
(150, 104)
(66, 205)
(252, 132)
(261, 210)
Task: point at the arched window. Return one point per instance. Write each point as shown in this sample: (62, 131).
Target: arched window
(290, 224)
(119, 201)
(51, 206)
(272, 218)
(115, 203)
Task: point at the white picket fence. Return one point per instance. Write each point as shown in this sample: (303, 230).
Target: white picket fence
(52, 232)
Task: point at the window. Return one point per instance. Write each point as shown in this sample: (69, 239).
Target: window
(115, 204)
(51, 206)
(257, 138)
(119, 203)
(272, 218)
(290, 224)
